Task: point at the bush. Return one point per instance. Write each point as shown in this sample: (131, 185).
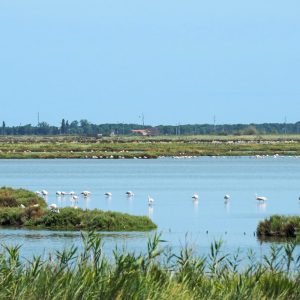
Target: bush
(10, 197)
(11, 216)
(282, 226)
(70, 218)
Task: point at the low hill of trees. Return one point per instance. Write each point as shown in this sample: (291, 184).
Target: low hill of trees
(84, 127)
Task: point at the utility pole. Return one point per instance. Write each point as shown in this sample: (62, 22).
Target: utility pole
(214, 123)
(143, 119)
(38, 118)
(285, 120)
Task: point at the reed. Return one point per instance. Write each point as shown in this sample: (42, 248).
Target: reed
(157, 273)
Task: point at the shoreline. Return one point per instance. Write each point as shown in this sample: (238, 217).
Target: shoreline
(131, 147)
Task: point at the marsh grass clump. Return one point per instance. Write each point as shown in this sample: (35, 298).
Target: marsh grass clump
(19, 207)
(10, 197)
(279, 226)
(156, 273)
(70, 218)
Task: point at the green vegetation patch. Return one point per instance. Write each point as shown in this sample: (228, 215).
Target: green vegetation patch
(70, 218)
(19, 207)
(146, 147)
(279, 226)
(10, 197)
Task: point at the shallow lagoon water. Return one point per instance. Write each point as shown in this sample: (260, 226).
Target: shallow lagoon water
(171, 182)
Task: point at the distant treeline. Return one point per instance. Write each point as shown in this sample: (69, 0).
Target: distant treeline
(83, 127)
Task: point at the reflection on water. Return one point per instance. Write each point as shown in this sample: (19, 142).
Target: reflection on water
(262, 207)
(150, 212)
(196, 206)
(227, 206)
(278, 240)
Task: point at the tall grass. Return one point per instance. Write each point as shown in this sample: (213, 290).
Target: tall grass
(156, 274)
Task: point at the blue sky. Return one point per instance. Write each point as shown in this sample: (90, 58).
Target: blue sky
(174, 61)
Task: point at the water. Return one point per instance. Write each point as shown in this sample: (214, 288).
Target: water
(171, 182)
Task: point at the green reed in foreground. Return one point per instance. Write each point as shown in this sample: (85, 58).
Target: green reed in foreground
(156, 274)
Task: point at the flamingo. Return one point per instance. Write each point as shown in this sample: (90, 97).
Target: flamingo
(226, 199)
(53, 207)
(150, 201)
(261, 198)
(74, 198)
(195, 197)
(86, 193)
(44, 193)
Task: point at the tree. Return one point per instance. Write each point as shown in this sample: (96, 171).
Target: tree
(3, 128)
(250, 130)
(86, 127)
(63, 126)
(43, 128)
(67, 126)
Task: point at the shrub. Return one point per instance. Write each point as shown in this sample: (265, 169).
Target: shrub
(282, 226)
(11, 216)
(10, 197)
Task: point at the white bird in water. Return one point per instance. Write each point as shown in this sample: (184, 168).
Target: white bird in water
(195, 197)
(72, 193)
(108, 194)
(86, 193)
(58, 193)
(64, 193)
(129, 193)
(226, 199)
(53, 207)
(150, 200)
(44, 193)
(261, 198)
(74, 199)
